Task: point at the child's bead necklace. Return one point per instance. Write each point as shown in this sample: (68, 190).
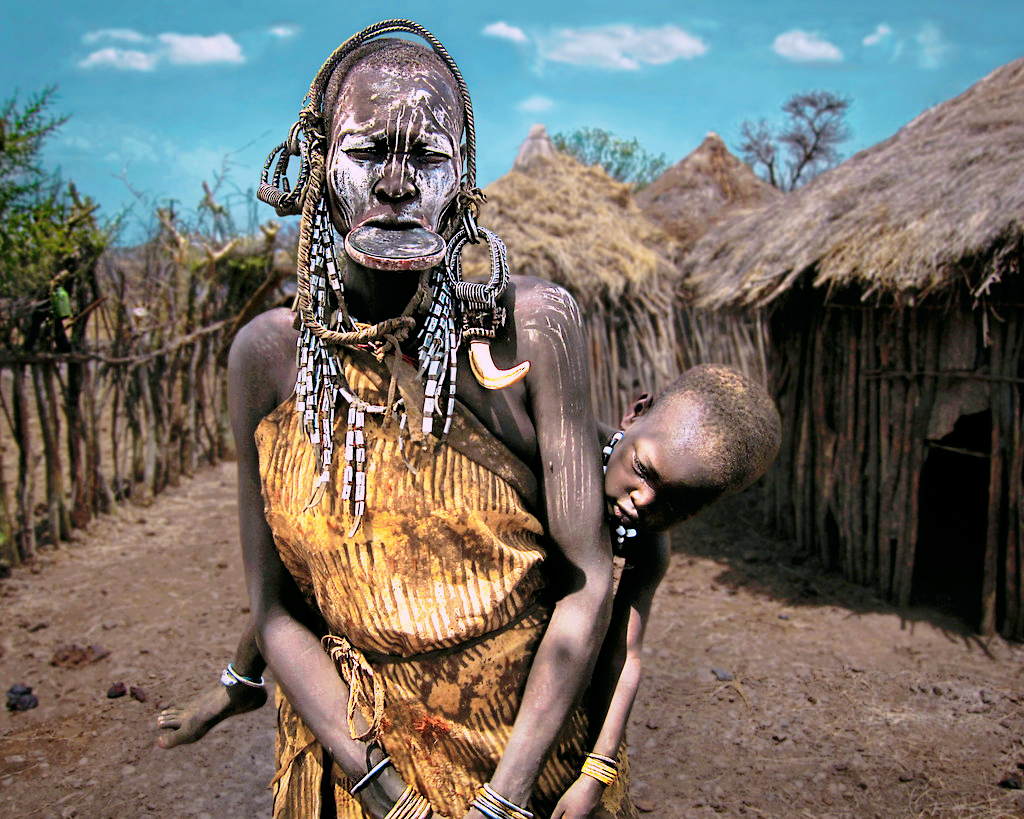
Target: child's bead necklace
(622, 534)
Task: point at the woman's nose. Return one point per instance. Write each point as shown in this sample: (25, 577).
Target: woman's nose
(395, 183)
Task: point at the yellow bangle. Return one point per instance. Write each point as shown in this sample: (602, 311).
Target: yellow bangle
(410, 805)
(602, 768)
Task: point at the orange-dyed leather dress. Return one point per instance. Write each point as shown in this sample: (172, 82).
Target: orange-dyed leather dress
(434, 606)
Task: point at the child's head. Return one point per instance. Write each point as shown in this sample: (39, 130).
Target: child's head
(710, 433)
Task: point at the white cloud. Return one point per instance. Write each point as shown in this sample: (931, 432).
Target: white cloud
(932, 48)
(76, 142)
(623, 47)
(194, 49)
(134, 145)
(535, 105)
(284, 31)
(802, 46)
(180, 49)
(125, 60)
(880, 33)
(506, 32)
(126, 35)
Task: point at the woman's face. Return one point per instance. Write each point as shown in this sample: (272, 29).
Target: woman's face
(394, 159)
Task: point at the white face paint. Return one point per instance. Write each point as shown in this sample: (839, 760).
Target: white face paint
(394, 156)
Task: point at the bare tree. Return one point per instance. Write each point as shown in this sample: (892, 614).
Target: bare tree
(805, 146)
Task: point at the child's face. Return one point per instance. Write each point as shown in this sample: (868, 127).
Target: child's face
(654, 480)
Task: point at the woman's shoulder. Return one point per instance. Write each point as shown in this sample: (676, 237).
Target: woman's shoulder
(261, 365)
(536, 298)
(548, 328)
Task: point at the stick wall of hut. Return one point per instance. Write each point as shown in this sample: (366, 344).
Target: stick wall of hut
(857, 387)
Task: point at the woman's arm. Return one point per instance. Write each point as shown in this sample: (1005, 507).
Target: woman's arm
(619, 665)
(258, 364)
(551, 336)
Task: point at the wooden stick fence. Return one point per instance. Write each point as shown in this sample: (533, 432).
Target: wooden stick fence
(642, 344)
(140, 398)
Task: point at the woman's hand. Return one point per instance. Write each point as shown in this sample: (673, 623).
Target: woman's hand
(582, 798)
(380, 795)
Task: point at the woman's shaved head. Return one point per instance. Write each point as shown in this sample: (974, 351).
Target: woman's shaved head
(390, 55)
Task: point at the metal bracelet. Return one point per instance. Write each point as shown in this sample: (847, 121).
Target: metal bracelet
(495, 806)
(229, 678)
(371, 775)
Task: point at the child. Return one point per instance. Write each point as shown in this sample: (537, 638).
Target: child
(709, 434)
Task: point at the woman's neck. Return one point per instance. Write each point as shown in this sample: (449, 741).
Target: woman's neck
(374, 295)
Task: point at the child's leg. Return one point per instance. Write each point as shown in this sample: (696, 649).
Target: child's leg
(184, 725)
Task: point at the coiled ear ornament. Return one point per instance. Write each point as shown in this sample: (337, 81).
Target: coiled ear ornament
(278, 193)
(482, 318)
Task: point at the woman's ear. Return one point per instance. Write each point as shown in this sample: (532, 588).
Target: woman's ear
(636, 410)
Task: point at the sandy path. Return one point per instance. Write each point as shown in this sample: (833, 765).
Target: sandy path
(161, 589)
(840, 706)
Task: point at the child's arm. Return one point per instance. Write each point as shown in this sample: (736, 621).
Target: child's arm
(617, 673)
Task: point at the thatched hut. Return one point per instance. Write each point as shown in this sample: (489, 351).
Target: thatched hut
(685, 201)
(576, 226)
(700, 189)
(537, 144)
(896, 311)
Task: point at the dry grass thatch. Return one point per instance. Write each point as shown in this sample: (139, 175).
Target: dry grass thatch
(937, 200)
(700, 189)
(576, 226)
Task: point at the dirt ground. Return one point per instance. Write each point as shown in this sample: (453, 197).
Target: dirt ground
(838, 705)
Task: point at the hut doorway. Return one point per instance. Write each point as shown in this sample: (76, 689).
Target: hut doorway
(953, 509)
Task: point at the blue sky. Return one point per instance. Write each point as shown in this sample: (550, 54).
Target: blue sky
(164, 95)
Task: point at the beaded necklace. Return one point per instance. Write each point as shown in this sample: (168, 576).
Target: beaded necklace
(622, 534)
(321, 386)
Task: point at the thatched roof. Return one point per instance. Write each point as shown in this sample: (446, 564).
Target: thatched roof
(576, 226)
(913, 214)
(700, 189)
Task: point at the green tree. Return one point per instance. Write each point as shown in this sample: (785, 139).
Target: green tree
(806, 145)
(625, 160)
(47, 230)
(50, 243)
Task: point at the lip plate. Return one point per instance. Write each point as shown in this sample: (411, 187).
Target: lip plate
(400, 248)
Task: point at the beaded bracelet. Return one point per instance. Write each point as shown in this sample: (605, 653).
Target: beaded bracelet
(602, 768)
(495, 806)
(410, 805)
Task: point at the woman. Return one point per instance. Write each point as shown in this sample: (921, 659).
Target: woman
(460, 614)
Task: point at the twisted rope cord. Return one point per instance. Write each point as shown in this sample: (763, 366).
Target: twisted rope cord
(398, 327)
(359, 675)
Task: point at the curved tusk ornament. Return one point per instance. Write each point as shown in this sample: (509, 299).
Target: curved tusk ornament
(487, 372)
